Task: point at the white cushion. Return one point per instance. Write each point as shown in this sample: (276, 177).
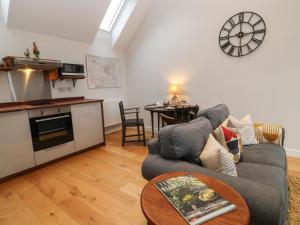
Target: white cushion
(215, 157)
(245, 129)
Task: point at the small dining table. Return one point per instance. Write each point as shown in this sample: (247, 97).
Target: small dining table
(153, 108)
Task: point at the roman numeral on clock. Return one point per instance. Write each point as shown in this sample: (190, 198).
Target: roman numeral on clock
(250, 17)
(249, 48)
(224, 38)
(241, 17)
(258, 22)
(231, 50)
(225, 29)
(240, 52)
(225, 45)
(257, 41)
(259, 31)
(232, 23)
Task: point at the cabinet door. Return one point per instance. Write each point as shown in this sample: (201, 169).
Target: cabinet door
(87, 125)
(16, 151)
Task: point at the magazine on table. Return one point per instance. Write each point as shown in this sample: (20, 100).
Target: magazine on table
(193, 199)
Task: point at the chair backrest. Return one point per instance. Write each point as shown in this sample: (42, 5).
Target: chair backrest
(182, 114)
(121, 106)
(194, 111)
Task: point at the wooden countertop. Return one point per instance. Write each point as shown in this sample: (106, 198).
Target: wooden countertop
(49, 103)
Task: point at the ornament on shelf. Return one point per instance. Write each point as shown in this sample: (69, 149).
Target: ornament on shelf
(27, 53)
(36, 51)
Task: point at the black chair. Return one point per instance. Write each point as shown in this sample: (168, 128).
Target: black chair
(182, 114)
(131, 123)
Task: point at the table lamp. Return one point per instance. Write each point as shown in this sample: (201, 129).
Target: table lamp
(174, 90)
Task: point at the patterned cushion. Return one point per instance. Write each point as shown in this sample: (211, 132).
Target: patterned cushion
(245, 129)
(230, 139)
(215, 157)
(268, 133)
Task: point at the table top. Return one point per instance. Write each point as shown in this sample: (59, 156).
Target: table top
(155, 108)
(161, 109)
(159, 211)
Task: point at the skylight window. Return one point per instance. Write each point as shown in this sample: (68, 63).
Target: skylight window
(111, 15)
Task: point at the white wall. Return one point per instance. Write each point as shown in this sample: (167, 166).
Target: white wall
(14, 42)
(178, 42)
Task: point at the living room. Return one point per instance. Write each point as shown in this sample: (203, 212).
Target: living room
(215, 60)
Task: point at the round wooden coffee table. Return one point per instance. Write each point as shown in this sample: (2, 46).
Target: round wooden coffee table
(159, 211)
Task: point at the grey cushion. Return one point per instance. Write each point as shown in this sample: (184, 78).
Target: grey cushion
(184, 140)
(265, 174)
(216, 115)
(266, 154)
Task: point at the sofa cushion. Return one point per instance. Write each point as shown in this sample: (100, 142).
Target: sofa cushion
(215, 157)
(230, 139)
(245, 129)
(216, 115)
(266, 154)
(265, 174)
(184, 140)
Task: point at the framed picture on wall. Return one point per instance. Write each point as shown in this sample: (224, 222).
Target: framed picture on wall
(103, 72)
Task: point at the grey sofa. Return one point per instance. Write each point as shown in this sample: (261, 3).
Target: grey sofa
(262, 172)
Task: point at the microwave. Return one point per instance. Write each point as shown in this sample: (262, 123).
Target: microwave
(69, 69)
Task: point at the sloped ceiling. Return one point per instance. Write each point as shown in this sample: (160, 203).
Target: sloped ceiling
(76, 20)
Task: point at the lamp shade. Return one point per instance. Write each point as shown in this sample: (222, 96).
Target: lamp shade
(174, 89)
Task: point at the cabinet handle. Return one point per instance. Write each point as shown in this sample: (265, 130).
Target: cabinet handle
(52, 118)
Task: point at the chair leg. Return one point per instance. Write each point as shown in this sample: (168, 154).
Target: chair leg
(123, 135)
(144, 135)
(138, 130)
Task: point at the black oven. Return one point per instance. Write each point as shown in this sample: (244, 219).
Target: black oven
(51, 128)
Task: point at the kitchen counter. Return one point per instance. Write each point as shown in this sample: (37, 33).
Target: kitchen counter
(36, 133)
(19, 106)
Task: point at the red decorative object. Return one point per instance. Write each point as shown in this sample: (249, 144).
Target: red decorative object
(228, 134)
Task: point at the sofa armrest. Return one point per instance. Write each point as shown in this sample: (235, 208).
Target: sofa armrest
(153, 146)
(265, 202)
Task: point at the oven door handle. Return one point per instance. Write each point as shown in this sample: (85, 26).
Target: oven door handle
(52, 118)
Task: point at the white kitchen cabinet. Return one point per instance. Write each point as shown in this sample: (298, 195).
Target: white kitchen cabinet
(16, 151)
(54, 152)
(87, 125)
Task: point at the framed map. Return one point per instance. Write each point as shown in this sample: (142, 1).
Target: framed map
(103, 72)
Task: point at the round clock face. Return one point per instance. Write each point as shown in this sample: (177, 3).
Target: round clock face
(242, 34)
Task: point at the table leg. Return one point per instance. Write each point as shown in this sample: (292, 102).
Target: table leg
(158, 121)
(152, 121)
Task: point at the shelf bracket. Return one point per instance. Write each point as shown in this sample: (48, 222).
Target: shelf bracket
(74, 82)
(53, 83)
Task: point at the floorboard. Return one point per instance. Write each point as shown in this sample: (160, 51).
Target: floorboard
(98, 187)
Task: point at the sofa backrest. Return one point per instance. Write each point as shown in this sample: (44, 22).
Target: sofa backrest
(216, 115)
(184, 140)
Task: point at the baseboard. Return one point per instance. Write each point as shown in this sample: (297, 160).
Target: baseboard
(113, 128)
(292, 152)
(149, 129)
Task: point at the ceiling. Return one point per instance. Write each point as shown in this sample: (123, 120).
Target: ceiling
(69, 19)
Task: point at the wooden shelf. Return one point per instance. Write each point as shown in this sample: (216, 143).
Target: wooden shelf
(5, 68)
(73, 78)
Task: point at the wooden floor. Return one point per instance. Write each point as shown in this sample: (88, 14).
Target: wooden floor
(101, 186)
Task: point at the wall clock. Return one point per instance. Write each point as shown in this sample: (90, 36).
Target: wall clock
(242, 34)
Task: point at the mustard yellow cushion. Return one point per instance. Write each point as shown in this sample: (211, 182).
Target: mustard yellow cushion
(268, 133)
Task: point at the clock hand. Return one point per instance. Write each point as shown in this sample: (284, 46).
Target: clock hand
(241, 27)
(235, 35)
